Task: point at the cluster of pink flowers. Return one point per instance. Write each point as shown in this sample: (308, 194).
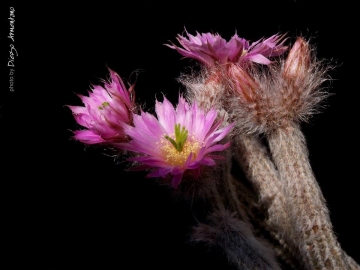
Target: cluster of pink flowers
(233, 97)
(179, 139)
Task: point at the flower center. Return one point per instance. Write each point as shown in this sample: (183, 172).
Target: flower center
(103, 105)
(177, 148)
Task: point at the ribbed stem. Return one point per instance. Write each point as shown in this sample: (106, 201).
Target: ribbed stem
(253, 157)
(309, 217)
(237, 198)
(353, 265)
(256, 212)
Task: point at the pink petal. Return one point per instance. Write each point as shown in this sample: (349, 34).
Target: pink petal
(208, 161)
(219, 134)
(83, 119)
(166, 115)
(77, 109)
(217, 147)
(177, 180)
(88, 137)
(260, 59)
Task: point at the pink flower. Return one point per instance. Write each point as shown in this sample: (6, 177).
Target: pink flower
(209, 49)
(177, 140)
(106, 109)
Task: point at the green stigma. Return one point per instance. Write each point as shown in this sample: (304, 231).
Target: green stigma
(181, 136)
(103, 105)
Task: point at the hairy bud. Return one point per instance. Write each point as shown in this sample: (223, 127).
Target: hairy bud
(298, 62)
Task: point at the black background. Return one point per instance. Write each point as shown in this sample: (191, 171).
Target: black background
(67, 206)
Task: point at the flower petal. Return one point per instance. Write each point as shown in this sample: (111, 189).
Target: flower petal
(88, 137)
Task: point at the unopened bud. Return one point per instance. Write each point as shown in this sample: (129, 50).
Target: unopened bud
(243, 83)
(298, 62)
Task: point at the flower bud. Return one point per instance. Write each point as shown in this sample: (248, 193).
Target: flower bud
(243, 83)
(298, 62)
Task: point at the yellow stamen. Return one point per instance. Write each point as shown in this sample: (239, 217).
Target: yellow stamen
(175, 157)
